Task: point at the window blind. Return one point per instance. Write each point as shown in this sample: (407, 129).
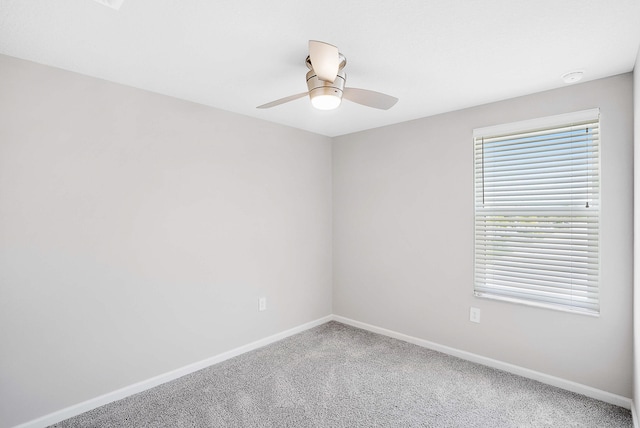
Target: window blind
(537, 210)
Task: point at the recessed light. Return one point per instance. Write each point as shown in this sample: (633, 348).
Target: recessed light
(572, 76)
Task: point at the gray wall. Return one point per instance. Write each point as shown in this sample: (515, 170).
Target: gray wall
(403, 239)
(137, 232)
(636, 233)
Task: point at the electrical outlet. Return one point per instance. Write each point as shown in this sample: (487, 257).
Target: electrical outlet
(474, 315)
(262, 304)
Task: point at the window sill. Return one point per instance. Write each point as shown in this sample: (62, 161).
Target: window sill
(561, 308)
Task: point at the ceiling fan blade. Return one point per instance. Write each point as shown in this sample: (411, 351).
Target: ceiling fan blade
(370, 98)
(283, 100)
(325, 60)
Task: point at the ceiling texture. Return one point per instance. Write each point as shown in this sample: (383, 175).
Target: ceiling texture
(434, 55)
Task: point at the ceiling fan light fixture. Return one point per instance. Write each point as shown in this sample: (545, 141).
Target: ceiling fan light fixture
(325, 100)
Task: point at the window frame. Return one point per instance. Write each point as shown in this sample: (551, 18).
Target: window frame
(513, 129)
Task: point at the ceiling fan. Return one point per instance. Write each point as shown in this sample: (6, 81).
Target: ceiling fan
(326, 79)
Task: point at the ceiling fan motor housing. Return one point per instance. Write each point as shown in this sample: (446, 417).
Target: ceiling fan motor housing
(320, 88)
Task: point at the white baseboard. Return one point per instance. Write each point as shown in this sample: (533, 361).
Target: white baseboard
(598, 394)
(634, 415)
(127, 391)
(119, 394)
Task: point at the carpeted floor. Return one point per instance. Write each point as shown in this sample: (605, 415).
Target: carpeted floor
(339, 376)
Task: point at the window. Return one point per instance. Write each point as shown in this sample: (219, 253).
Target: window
(537, 211)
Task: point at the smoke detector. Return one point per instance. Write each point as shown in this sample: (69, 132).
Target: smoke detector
(113, 4)
(572, 76)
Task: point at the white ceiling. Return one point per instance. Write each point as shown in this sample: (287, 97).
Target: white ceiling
(435, 56)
